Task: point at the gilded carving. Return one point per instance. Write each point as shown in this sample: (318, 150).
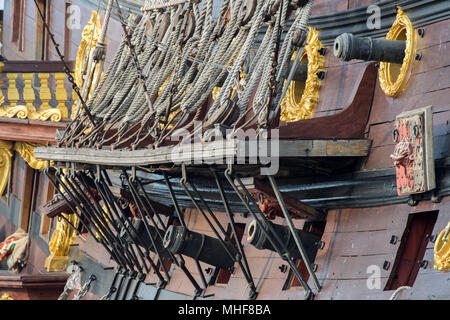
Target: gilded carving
(5, 163)
(89, 39)
(59, 244)
(6, 296)
(26, 112)
(302, 98)
(392, 79)
(442, 251)
(26, 150)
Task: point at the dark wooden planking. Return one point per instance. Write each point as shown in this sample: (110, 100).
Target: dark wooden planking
(367, 219)
(295, 206)
(352, 290)
(357, 243)
(325, 7)
(347, 124)
(435, 34)
(337, 87)
(25, 210)
(20, 66)
(29, 130)
(355, 267)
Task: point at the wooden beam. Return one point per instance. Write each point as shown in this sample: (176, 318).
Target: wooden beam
(25, 210)
(30, 130)
(36, 66)
(211, 153)
(298, 209)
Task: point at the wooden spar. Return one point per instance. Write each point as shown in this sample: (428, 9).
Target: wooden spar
(34, 131)
(298, 209)
(212, 152)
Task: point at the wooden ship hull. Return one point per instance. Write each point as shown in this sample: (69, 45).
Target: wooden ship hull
(357, 208)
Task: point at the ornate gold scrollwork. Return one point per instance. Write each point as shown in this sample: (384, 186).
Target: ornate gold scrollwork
(5, 163)
(25, 112)
(26, 150)
(89, 39)
(301, 98)
(442, 251)
(60, 242)
(6, 296)
(393, 77)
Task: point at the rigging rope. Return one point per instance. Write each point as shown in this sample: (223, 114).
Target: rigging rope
(176, 75)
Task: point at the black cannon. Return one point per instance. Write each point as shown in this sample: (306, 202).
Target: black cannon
(257, 238)
(180, 240)
(138, 234)
(348, 47)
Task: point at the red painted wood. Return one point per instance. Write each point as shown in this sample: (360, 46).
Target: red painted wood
(413, 249)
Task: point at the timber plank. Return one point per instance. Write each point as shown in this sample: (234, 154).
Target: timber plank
(352, 290)
(368, 219)
(386, 109)
(29, 130)
(287, 148)
(364, 243)
(338, 85)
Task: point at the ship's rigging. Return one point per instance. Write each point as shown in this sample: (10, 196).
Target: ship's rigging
(168, 65)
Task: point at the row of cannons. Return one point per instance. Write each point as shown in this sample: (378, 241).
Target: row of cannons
(137, 231)
(180, 240)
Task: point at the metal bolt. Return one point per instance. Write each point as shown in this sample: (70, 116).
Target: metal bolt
(283, 268)
(386, 265)
(208, 271)
(394, 240)
(315, 267)
(322, 51)
(321, 75)
(320, 245)
(423, 263)
(431, 237)
(412, 202)
(419, 56)
(421, 32)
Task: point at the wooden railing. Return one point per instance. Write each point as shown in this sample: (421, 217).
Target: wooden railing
(25, 99)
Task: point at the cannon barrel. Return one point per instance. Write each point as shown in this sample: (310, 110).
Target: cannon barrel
(348, 47)
(180, 240)
(139, 232)
(257, 238)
